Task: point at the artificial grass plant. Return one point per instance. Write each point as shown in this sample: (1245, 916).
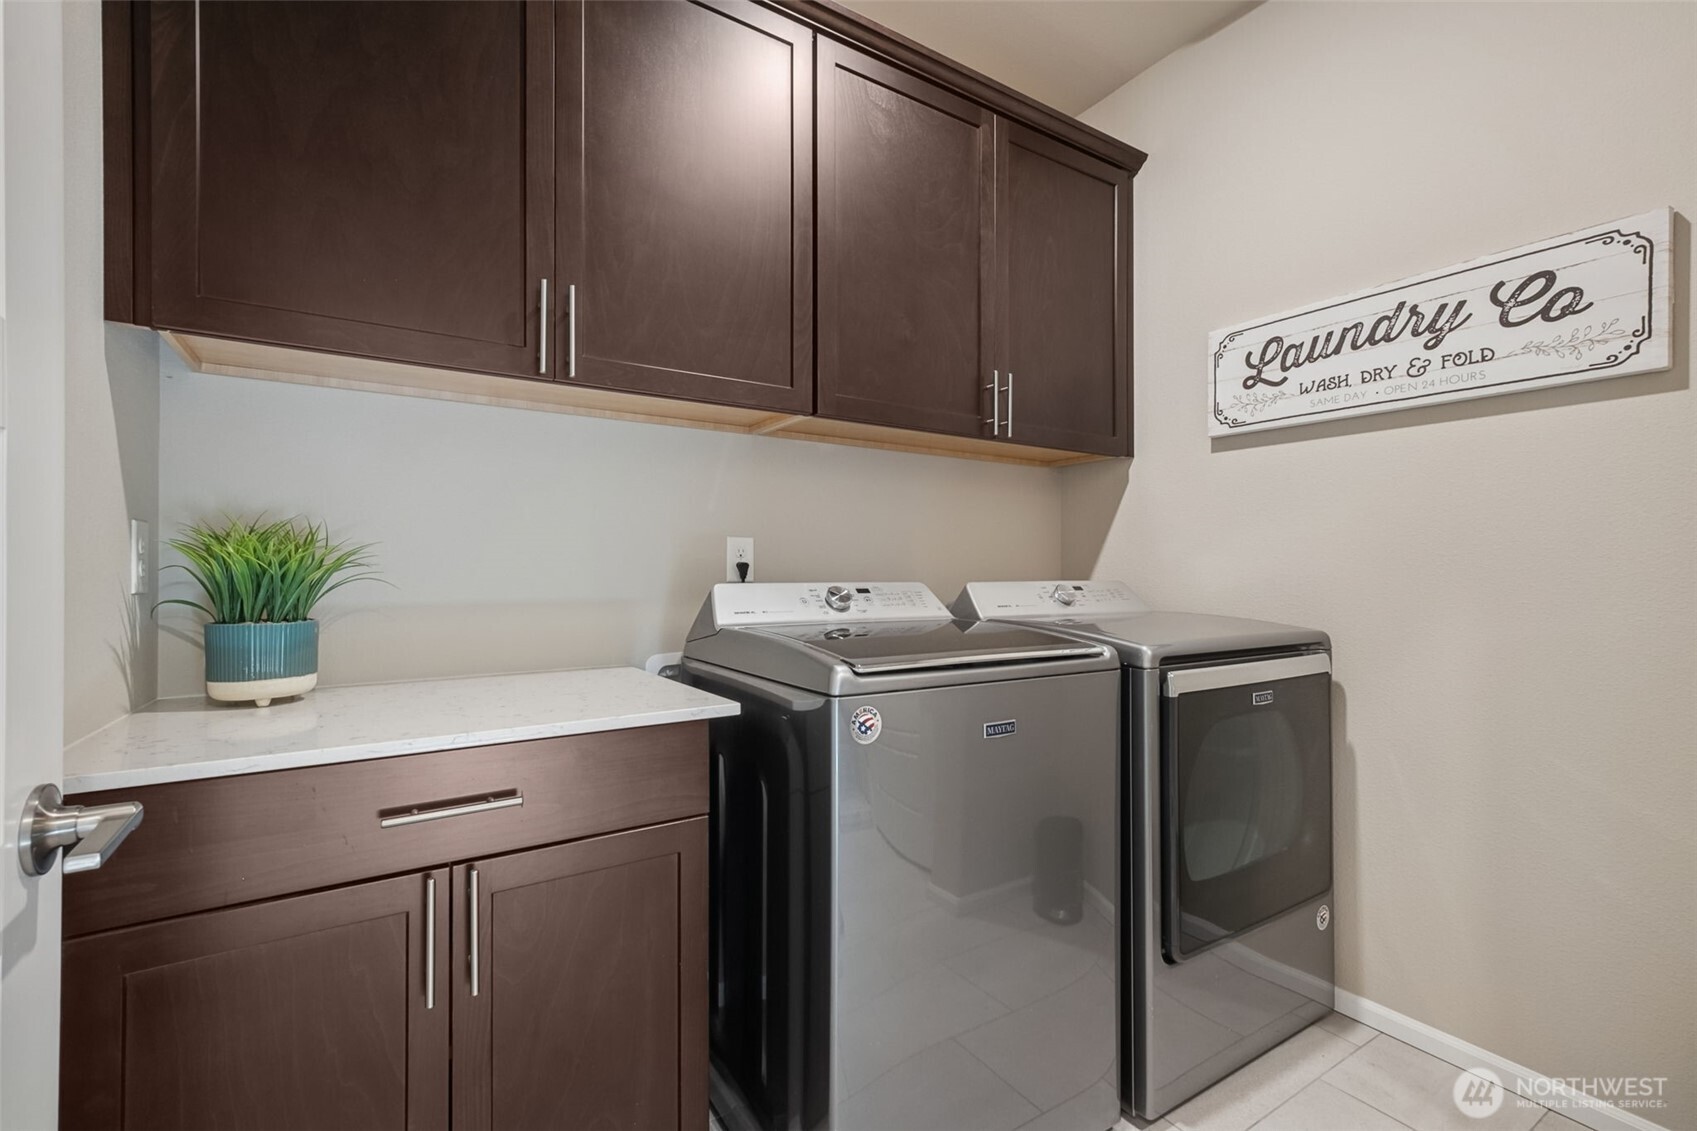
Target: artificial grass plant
(257, 571)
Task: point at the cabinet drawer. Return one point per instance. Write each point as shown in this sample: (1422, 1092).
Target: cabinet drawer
(223, 841)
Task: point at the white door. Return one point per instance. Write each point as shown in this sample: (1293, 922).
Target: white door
(32, 483)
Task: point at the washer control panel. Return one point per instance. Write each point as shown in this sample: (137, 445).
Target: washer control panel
(988, 599)
(767, 602)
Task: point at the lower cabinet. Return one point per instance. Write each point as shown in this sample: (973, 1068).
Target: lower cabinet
(312, 1011)
(585, 968)
(562, 986)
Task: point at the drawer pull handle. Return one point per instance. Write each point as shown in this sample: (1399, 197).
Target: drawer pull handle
(457, 808)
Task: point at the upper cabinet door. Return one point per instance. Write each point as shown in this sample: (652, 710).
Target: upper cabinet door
(686, 202)
(1064, 249)
(906, 214)
(367, 178)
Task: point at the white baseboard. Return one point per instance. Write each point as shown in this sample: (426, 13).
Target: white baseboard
(1596, 1114)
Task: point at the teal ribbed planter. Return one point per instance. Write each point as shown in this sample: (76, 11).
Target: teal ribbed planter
(260, 662)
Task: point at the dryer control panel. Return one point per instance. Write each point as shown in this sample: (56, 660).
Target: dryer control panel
(986, 600)
(765, 602)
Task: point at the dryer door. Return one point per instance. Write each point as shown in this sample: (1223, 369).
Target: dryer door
(1246, 796)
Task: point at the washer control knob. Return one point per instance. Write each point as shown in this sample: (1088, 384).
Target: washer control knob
(1063, 595)
(839, 597)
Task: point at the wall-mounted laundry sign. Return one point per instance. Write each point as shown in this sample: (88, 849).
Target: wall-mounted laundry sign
(1575, 308)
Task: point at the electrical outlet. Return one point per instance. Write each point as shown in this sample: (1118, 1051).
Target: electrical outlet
(141, 552)
(739, 550)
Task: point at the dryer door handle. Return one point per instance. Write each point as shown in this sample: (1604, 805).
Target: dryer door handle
(1239, 675)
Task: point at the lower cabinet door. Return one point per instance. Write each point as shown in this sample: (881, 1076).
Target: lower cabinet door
(316, 1011)
(580, 985)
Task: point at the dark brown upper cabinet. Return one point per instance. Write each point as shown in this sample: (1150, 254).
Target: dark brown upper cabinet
(311, 1011)
(905, 248)
(1063, 228)
(973, 273)
(355, 177)
(765, 216)
(686, 202)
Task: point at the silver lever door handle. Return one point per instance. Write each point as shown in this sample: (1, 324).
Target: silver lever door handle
(88, 834)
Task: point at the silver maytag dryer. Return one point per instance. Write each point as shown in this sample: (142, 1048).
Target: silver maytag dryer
(1228, 752)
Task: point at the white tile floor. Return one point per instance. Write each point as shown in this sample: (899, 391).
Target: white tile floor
(996, 1020)
(1338, 1075)
(1341, 1075)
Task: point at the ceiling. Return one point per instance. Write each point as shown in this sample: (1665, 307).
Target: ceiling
(1069, 54)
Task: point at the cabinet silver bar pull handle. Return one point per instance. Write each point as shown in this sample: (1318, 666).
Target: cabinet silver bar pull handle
(508, 800)
(473, 919)
(430, 942)
(571, 330)
(995, 387)
(542, 335)
(1010, 404)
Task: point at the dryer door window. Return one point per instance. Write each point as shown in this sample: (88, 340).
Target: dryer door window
(1246, 797)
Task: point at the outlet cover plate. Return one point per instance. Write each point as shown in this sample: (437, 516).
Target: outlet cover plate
(738, 550)
(141, 552)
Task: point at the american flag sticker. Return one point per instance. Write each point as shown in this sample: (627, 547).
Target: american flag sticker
(865, 724)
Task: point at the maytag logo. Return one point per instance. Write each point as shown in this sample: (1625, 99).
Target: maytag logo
(1261, 698)
(1001, 729)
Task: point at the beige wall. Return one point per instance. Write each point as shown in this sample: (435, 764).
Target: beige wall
(111, 430)
(1511, 583)
(521, 540)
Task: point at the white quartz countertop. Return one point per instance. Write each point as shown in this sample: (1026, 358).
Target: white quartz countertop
(184, 739)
